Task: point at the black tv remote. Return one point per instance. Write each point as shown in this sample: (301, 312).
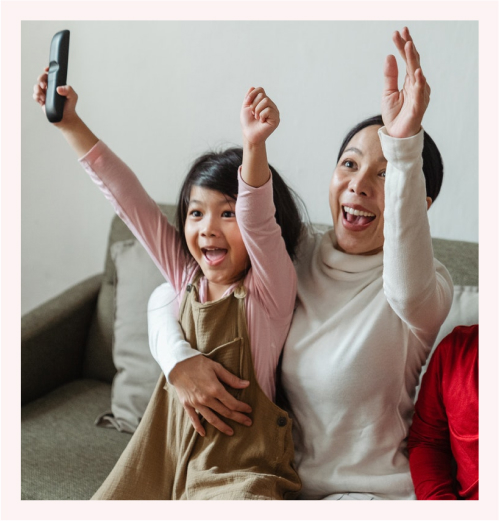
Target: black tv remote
(57, 75)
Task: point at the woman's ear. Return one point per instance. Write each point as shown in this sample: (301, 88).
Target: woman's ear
(428, 203)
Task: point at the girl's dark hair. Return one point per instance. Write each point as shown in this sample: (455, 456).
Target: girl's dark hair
(218, 171)
(433, 167)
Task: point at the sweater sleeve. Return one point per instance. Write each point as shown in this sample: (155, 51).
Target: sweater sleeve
(430, 453)
(166, 338)
(137, 210)
(418, 288)
(273, 271)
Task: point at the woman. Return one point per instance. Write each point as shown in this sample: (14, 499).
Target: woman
(371, 300)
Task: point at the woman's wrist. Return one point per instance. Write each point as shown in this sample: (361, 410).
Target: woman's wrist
(405, 133)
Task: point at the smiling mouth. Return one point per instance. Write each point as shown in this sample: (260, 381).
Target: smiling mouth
(214, 256)
(357, 218)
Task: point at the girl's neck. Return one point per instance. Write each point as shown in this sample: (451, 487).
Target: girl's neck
(215, 291)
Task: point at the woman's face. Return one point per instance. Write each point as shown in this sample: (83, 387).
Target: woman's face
(357, 194)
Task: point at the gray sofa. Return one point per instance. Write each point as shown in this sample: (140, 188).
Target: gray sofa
(67, 371)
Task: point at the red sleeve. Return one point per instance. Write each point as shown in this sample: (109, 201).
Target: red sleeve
(430, 455)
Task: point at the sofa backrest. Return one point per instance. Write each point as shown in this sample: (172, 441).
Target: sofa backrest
(460, 258)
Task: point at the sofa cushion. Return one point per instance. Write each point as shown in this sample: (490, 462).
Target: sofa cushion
(463, 312)
(64, 456)
(138, 372)
(98, 361)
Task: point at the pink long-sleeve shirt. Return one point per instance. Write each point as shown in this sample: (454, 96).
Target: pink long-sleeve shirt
(270, 282)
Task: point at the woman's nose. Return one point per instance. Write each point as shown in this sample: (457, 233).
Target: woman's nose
(360, 183)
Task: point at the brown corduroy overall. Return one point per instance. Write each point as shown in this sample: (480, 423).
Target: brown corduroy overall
(167, 459)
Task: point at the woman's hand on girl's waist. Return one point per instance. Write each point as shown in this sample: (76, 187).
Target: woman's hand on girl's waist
(198, 383)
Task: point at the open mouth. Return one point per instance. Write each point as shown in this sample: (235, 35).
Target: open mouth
(356, 219)
(214, 256)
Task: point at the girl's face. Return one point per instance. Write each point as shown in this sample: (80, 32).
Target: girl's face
(213, 238)
(357, 194)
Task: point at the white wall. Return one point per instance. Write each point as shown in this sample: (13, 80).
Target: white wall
(161, 93)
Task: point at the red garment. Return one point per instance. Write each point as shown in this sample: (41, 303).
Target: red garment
(445, 423)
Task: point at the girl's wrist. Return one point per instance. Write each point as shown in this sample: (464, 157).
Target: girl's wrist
(69, 124)
(253, 147)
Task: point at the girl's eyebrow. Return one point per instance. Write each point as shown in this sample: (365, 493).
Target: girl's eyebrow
(221, 202)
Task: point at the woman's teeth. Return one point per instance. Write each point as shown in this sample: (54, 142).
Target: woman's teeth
(358, 212)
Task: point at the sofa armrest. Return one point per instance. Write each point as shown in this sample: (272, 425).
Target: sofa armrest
(53, 339)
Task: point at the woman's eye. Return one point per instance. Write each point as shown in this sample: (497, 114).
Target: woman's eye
(348, 163)
(382, 174)
(228, 214)
(195, 213)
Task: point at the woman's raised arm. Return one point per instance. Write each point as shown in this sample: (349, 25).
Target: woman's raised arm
(418, 289)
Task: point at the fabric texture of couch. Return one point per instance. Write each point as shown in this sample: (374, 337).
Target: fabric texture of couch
(67, 367)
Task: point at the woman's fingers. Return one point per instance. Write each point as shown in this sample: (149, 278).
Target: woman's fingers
(236, 383)
(391, 75)
(422, 90)
(217, 405)
(196, 422)
(399, 43)
(197, 382)
(212, 418)
(412, 60)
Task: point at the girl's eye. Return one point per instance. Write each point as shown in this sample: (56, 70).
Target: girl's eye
(195, 213)
(228, 214)
(382, 174)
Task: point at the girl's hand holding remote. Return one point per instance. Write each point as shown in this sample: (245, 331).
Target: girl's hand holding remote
(78, 135)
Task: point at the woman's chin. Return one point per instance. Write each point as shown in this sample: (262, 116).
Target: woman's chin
(353, 244)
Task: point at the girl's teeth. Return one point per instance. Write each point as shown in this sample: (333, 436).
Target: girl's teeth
(357, 212)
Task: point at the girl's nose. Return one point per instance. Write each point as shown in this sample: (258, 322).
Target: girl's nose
(210, 228)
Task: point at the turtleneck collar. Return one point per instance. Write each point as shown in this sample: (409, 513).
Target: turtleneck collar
(340, 265)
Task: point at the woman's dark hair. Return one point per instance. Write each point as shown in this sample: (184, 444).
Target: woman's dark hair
(218, 171)
(433, 167)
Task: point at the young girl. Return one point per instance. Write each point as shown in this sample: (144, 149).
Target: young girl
(230, 266)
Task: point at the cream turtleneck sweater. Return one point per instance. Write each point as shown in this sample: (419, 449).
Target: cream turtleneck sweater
(361, 332)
